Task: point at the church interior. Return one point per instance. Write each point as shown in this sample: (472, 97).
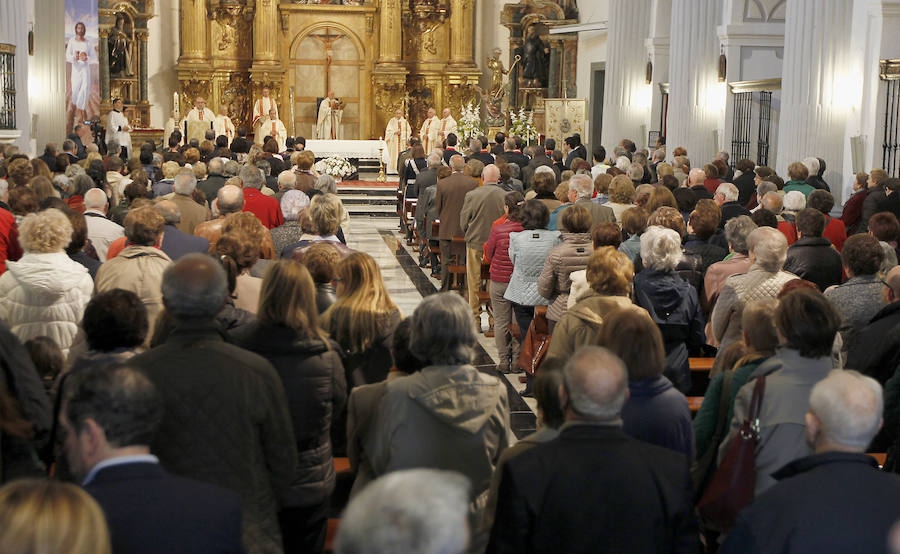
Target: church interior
(732, 105)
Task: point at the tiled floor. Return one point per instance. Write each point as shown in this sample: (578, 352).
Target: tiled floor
(407, 284)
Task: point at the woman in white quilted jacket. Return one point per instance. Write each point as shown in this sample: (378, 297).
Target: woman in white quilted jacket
(45, 292)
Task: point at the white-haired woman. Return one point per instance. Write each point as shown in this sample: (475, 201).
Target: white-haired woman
(326, 184)
(292, 203)
(671, 302)
(45, 292)
(793, 202)
(767, 250)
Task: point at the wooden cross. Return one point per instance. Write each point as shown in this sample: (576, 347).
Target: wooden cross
(327, 39)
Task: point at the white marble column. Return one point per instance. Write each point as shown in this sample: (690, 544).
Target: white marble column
(815, 98)
(696, 98)
(626, 95)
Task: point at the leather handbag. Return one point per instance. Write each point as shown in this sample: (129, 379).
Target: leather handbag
(535, 344)
(731, 488)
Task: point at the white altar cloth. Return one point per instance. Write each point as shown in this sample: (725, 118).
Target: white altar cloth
(360, 149)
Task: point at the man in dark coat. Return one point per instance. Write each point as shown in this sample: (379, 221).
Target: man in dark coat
(177, 243)
(110, 416)
(538, 158)
(513, 155)
(448, 202)
(835, 500)
(215, 179)
(746, 181)
(727, 197)
(812, 257)
(630, 496)
(226, 419)
(479, 153)
(876, 349)
(499, 140)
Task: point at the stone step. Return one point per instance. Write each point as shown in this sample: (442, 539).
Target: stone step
(372, 210)
(363, 199)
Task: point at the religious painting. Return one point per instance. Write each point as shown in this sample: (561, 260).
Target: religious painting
(82, 63)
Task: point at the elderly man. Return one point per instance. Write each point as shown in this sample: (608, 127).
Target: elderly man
(100, 230)
(772, 201)
(287, 180)
(271, 126)
(109, 417)
(696, 178)
(447, 125)
(226, 417)
(581, 188)
(176, 243)
(265, 208)
(140, 265)
(192, 213)
(481, 207)
(513, 155)
(726, 197)
(835, 500)
(594, 461)
(448, 202)
(198, 120)
(762, 188)
(215, 179)
(426, 185)
(230, 200)
(414, 510)
(479, 153)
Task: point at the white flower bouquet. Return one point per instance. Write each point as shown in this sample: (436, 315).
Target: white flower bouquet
(469, 125)
(522, 124)
(336, 166)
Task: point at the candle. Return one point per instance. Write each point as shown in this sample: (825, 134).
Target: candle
(175, 103)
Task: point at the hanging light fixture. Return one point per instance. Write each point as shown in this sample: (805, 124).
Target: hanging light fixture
(649, 72)
(723, 66)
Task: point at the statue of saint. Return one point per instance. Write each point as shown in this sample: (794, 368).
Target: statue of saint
(119, 44)
(536, 59)
(495, 64)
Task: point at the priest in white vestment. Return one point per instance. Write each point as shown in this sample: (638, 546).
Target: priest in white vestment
(328, 123)
(262, 106)
(199, 119)
(223, 125)
(173, 123)
(118, 129)
(429, 132)
(272, 126)
(447, 126)
(396, 135)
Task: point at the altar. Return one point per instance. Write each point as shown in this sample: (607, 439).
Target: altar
(350, 149)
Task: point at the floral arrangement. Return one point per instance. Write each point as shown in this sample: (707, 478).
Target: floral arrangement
(469, 125)
(522, 125)
(336, 166)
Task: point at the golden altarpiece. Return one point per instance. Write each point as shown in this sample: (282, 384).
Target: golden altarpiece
(376, 55)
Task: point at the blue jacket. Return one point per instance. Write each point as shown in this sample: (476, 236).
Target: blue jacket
(657, 413)
(528, 251)
(177, 243)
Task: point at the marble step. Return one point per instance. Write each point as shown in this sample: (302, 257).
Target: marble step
(360, 199)
(373, 210)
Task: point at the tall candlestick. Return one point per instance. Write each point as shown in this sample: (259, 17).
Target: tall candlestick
(175, 106)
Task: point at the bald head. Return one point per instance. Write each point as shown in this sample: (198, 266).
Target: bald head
(457, 162)
(595, 385)
(490, 173)
(95, 199)
(194, 287)
(230, 199)
(696, 176)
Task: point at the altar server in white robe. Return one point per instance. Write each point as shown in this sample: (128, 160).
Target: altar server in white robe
(396, 134)
(262, 106)
(223, 125)
(272, 126)
(199, 119)
(174, 122)
(429, 131)
(328, 123)
(118, 129)
(448, 125)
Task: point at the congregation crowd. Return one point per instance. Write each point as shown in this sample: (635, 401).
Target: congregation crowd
(186, 336)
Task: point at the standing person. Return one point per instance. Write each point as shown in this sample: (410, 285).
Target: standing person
(223, 126)
(564, 259)
(100, 230)
(429, 131)
(198, 120)
(396, 133)
(448, 202)
(245, 443)
(328, 122)
(412, 168)
(118, 129)
(262, 107)
(593, 461)
(272, 126)
(481, 207)
(287, 334)
(447, 126)
(496, 252)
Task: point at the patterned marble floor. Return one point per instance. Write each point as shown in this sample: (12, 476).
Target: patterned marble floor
(407, 284)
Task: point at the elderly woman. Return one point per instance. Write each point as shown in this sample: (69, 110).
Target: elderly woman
(621, 195)
(449, 415)
(609, 275)
(325, 211)
(655, 412)
(806, 323)
(702, 226)
(793, 202)
(45, 292)
(671, 302)
(571, 255)
(544, 185)
(326, 184)
(859, 298)
(736, 232)
(78, 187)
(767, 251)
(292, 203)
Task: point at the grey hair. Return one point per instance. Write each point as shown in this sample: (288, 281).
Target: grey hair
(544, 169)
(442, 330)
(184, 183)
(696, 176)
(661, 248)
(596, 382)
(265, 167)
(457, 162)
(582, 185)
(215, 166)
(622, 163)
(850, 406)
(414, 511)
(772, 202)
(728, 191)
(515, 171)
(794, 201)
(194, 287)
(287, 179)
(326, 183)
(157, 158)
(475, 145)
(252, 177)
(113, 147)
(74, 169)
(230, 199)
(92, 147)
(170, 211)
(769, 246)
(232, 168)
(61, 181)
(812, 165)
(764, 188)
(434, 160)
(736, 232)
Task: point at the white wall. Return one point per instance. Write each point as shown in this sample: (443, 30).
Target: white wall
(489, 34)
(162, 55)
(591, 49)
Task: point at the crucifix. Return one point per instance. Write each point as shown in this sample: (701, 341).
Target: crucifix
(327, 39)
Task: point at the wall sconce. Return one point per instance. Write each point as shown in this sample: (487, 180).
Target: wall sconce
(31, 39)
(723, 67)
(649, 73)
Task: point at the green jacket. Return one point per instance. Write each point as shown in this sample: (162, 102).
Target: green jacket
(802, 186)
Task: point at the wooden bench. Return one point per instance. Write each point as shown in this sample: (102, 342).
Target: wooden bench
(341, 465)
(694, 403)
(880, 457)
(701, 364)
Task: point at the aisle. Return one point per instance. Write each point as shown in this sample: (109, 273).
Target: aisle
(407, 284)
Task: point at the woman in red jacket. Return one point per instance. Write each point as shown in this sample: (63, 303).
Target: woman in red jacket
(496, 251)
